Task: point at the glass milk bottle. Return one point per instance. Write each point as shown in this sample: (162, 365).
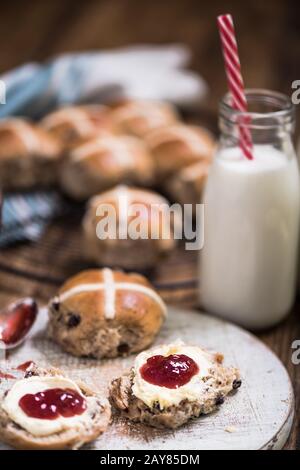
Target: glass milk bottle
(248, 264)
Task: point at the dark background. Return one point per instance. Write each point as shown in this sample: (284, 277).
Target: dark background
(268, 34)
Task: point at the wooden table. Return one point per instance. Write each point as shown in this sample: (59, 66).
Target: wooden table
(34, 31)
(268, 34)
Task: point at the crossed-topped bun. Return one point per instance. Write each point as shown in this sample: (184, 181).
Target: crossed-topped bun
(97, 164)
(176, 146)
(105, 313)
(114, 245)
(28, 155)
(31, 433)
(140, 117)
(186, 185)
(71, 123)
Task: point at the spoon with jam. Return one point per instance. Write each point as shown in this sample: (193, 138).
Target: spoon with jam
(16, 321)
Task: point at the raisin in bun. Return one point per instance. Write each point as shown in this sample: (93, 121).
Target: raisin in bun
(104, 313)
(30, 433)
(177, 146)
(140, 117)
(107, 228)
(186, 185)
(97, 164)
(68, 124)
(29, 156)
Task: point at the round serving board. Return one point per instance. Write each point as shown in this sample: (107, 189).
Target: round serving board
(258, 416)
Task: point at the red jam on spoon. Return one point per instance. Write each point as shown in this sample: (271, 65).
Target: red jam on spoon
(169, 371)
(16, 320)
(52, 403)
(25, 365)
(4, 375)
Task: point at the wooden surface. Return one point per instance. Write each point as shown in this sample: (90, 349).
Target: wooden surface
(269, 45)
(259, 414)
(268, 32)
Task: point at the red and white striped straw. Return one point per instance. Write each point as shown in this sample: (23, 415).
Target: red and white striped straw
(235, 79)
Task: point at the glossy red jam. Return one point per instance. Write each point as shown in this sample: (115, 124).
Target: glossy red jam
(52, 403)
(25, 365)
(4, 375)
(169, 371)
(16, 320)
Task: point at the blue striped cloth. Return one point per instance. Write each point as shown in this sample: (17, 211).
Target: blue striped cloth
(25, 216)
(143, 72)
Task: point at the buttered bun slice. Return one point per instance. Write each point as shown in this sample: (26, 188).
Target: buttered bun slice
(105, 313)
(70, 123)
(47, 411)
(95, 165)
(29, 156)
(138, 117)
(170, 384)
(111, 219)
(176, 146)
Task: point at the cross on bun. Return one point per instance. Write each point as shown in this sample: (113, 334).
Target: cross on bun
(140, 117)
(115, 245)
(176, 146)
(71, 123)
(28, 155)
(103, 313)
(97, 164)
(27, 433)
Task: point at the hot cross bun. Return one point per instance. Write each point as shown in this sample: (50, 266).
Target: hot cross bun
(176, 146)
(31, 417)
(97, 164)
(29, 156)
(108, 224)
(104, 313)
(71, 123)
(138, 118)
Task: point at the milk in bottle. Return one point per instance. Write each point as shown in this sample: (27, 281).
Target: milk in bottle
(251, 225)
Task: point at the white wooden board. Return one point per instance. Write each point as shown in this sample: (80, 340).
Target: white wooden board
(260, 413)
